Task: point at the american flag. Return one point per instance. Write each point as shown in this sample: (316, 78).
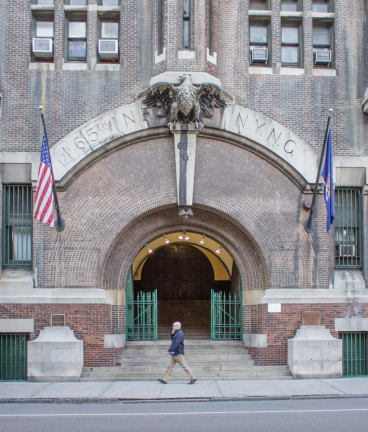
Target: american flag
(44, 205)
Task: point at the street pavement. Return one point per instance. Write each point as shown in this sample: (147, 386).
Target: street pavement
(110, 391)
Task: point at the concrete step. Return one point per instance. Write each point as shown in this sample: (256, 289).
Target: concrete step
(193, 359)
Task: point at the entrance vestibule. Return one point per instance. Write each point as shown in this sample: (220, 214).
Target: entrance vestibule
(184, 274)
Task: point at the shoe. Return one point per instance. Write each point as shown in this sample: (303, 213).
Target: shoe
(162, 381)
(192, 381)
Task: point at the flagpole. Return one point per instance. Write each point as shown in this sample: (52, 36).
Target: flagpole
(60, 222)
(308, 224)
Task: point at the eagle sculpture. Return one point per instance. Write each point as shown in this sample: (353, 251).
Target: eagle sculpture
(186, 102)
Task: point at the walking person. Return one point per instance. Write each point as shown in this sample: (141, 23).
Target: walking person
(176, 351)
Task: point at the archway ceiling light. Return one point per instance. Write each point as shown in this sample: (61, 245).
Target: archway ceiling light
(209, 247)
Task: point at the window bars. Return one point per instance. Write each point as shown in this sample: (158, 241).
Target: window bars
(17, 226)
(348, 228)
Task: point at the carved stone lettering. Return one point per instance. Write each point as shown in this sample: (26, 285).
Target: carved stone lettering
(63, 153)
(240, 123)
(272, 135)
(289, 146)
(259, 127)
(126, 117)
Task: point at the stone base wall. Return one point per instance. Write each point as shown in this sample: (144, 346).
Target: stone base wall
(280, 327)
(90, 323)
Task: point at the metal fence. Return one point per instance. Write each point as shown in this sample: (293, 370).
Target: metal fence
(17, 226)
(142, 316)
(348, 228)
(226, 316)
(13, 357)
(354, 361)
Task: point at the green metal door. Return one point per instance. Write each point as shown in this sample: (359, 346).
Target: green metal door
(353, 353)
(226, 316)
(13, 357)
(141, 313)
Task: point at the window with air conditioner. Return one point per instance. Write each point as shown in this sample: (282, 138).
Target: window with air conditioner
(77, 40)
(322, 51)
(348, 228)
(258, 44)
(43, 40)
(290, 45)
(108, 46)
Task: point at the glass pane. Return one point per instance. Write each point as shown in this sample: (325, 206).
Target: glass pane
(78, 2)
(258, 34)
(321, 36)
(289, 6)
(45, 2)
(110, 2)
(109, 30)
(290, 35)
(289, 54)
(77, 49)
(320, 6)
(258, 4)
(45, 29)
(77, 29)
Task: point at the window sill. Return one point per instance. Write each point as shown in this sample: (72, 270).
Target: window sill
(72, 8)
(291, 71)
(324, 72)
(41, 66)
(259, 12)
(36, 7)
(75, 66)
(254, 70)
(107, 67)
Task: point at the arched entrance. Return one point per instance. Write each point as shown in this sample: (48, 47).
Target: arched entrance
(183, 277)
(187, 282)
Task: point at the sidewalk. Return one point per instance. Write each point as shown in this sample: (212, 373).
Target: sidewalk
(154, 391)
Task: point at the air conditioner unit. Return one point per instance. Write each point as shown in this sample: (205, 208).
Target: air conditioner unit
(347, 251)
(322, 57)
(42, 47)
(108, 48)
(259, 55)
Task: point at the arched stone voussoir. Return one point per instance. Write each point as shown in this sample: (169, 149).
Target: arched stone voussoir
(235, 239)
(235, 124)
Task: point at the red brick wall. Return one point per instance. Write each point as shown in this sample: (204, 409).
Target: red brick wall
(280, 327)
(90, 323)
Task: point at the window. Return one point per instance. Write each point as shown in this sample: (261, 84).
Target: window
(108, 47)
(348, 228)
(77, 2)
(321, 37)
(258, 41)
(258, 4)
(44, 2)
(17, 226)
(290, 52)
(109, 2)
(320, 6)
(43, 37)
(77, 40)
(44, 29)
(289, 5)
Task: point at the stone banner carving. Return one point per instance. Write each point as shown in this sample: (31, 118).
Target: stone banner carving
(89, 137)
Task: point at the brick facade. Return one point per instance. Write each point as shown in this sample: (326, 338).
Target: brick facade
(123, 199)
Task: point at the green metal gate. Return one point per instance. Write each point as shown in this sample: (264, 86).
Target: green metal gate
(226, 316)
(13, 357)
(142, 316)
(353, 353)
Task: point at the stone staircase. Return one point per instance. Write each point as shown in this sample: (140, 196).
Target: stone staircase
(209, 361)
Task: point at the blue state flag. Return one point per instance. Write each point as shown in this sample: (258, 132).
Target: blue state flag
(327, 174)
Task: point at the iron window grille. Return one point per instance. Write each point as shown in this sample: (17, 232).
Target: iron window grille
(17, 226)
(348, 228)
(13, 357)
(354, 362)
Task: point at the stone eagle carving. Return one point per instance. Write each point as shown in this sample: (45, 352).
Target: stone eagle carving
(186, 102)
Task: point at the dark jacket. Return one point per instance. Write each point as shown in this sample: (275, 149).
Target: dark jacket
(177, 343)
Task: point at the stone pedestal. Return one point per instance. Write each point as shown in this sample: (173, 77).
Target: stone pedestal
(314, 353)
(56, 355)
